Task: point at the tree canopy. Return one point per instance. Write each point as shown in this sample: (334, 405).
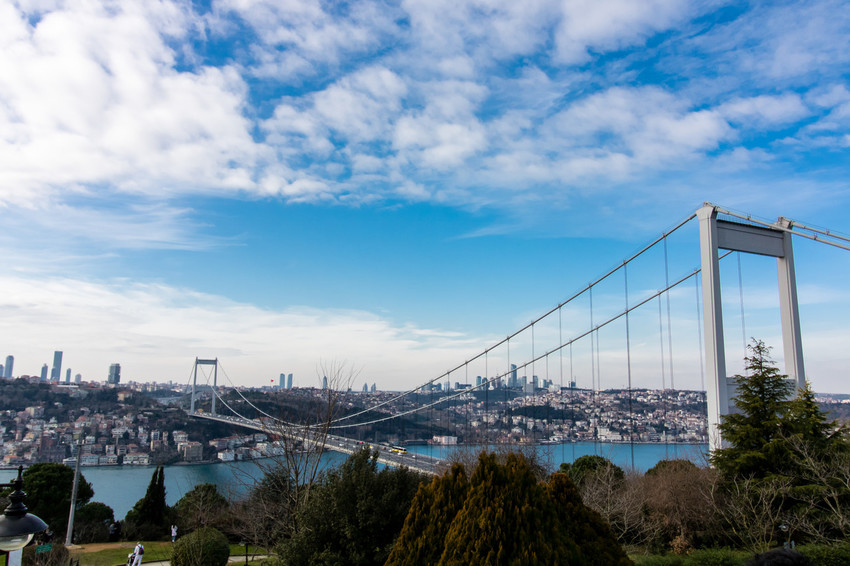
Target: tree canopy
(48, 487)
(202, 506)
(353, 515)
(760, 436)
(150, 516)
(503, 516)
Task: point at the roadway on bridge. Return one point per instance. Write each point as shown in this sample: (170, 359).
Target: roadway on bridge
(417, 462)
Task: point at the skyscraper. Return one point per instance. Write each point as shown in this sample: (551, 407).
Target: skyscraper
(289, 381)
(44, 372)
(324, 382)
(114, 374)
(282, 381)
(57, 366)
(7, 369)
(68, 375)
(78, 378)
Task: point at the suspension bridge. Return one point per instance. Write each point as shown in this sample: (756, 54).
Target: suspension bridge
(616, 332)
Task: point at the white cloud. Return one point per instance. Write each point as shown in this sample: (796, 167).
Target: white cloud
(91, 98)
(296, 37)
(155, 332)
(765, 110)
(599, 26)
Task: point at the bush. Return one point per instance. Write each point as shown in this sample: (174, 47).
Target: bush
(716, 557)
(58, 555)
(827, 555)
(205, 547)
(657, 560)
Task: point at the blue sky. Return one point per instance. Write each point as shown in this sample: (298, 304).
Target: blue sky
(396, 185)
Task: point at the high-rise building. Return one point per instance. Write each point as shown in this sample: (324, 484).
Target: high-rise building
(365, 388)
(68, 375)
(78, 378)
(56, 370)
(44, 372)
(289, 381)
(374, 387)
(7, 369)
(1, 370)
(325, 382)
(477, 381)
(114, 374)
(512, 381)
(282, 381)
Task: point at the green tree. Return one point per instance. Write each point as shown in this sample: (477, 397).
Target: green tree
(586, 467)
(353, 515)
(506, 517)
(150, 516)
(205, 547)
(755, 434)
(48, 487)
(202, 506)
(91, 522)
(431, 514)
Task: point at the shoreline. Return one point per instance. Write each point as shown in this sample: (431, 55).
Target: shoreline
(523, 444)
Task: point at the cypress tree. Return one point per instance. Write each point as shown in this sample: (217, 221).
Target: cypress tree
(431, 513)
(503, 517)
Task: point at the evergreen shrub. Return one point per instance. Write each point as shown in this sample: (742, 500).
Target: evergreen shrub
(658, 560)
(826, 555)
(716, 557)
(205, 547)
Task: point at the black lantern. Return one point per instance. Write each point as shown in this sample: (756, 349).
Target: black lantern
(17, 526)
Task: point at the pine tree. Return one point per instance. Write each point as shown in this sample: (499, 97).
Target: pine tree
(756, 433)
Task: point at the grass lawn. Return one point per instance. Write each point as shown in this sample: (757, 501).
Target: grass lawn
(115, 553)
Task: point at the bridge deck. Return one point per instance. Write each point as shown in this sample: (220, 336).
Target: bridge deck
(418, 462)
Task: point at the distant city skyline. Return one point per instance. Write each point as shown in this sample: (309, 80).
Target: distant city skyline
(398, 186)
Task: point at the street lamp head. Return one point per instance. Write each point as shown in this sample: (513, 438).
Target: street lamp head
(17, 526)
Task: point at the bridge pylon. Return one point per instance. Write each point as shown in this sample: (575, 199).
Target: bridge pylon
(772, 241)
(200, 362)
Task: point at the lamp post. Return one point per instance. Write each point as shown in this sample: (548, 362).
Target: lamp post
(17, 526)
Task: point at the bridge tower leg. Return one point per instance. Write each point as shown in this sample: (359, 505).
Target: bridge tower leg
(774, 242)
(194, 381)
(215, 385)
(200, 362)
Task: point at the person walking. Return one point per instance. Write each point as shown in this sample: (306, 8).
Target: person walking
(173, 533)
(139, 552)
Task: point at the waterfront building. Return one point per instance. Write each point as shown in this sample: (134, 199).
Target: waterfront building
(192, 451)
(57, 366)
(137, 459)
(7, 369)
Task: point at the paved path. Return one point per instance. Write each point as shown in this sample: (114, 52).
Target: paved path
(232, 560)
